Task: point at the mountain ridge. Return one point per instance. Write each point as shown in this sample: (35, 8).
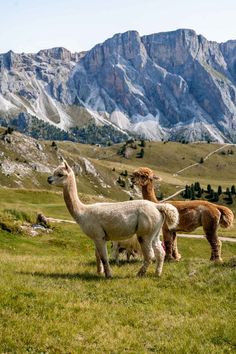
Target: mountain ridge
(169, 85)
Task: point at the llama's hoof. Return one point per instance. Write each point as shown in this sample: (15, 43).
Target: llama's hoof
(108, 276)
(217, 260)
(169, 258)
(141, 273)
(158, 273)
(177, 257)
(100, 271)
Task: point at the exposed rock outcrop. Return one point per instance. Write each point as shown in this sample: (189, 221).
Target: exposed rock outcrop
(175, 85)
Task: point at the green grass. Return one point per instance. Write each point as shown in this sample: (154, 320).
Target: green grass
(52, 301)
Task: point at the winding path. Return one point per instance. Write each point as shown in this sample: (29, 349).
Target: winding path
(204, 159)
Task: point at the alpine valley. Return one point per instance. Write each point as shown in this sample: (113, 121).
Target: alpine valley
(173, 85)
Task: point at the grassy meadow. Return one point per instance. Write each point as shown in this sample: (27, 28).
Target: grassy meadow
(52, 300)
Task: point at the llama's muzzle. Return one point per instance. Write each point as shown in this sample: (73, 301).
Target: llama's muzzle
(50, 179)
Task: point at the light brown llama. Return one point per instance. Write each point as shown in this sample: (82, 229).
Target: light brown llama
(192, 214)
(102, 222)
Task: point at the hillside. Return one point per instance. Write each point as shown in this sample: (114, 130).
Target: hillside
(48, 279)
(26, 163)
(172, 86)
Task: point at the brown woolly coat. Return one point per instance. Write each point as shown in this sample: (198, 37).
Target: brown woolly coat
(192, 214)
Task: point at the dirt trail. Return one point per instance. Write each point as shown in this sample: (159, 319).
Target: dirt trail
(228, 239)
(204, 159)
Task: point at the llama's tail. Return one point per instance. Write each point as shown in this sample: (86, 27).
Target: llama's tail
(226, 217)
(171, 214)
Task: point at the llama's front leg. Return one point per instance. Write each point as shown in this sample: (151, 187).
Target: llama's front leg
(160, 255)
(146, 247)
(100, 269)
(102, 251)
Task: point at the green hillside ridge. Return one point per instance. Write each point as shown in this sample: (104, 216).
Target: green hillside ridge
(25, 163)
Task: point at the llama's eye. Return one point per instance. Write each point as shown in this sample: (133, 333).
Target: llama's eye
(60, 175)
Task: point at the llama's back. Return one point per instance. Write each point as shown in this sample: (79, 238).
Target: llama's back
(123, 219)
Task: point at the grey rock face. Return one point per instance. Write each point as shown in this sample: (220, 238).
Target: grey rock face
(173, 85)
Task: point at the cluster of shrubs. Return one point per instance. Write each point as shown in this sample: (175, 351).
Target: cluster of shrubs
(122, 181)
(132, 144)
(195, 191)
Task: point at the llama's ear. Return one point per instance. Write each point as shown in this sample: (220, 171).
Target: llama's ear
(157, 178)
(61, 158)
(66, 165)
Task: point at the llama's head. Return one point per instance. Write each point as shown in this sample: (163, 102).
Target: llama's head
(143, 176)
(60, 175)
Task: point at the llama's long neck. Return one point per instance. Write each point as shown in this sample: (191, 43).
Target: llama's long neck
(149, 193)
(73, 203)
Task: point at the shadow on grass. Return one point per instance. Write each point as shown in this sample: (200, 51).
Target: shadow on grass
(122, 262)
(73, 276)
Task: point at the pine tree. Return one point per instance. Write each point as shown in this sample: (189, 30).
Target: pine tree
(142, 143)
(201, 160)
(230, 199)
(209, 188)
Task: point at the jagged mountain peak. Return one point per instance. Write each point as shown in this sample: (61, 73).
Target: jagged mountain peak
(173, 85)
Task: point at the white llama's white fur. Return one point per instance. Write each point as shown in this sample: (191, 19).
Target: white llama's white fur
(117, 221)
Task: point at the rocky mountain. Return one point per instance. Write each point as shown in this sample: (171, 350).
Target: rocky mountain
(174, 85)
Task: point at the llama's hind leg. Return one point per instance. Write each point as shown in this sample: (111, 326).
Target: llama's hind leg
(175, 253)
(210, 223)
(215, 244)
(168, 243)
(146, 247)
(102, 252)
(159, 254)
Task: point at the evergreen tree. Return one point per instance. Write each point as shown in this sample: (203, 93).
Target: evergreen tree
(199, 193)
(230, 199)
(140, 154)
(209, 188)
(219, 190)
(192, 192)
(142, 143)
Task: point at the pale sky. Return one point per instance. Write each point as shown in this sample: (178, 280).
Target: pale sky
(31, 25)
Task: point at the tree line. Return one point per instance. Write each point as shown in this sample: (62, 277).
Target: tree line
(195, 191)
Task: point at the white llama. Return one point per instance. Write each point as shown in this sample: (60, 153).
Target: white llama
(117, 221)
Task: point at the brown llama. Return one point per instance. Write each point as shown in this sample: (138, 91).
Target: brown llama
(192, 214)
